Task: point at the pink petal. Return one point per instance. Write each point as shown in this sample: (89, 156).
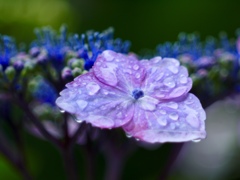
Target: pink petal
(165, 78)
(172, 121)
(118, 70)
(94, 102)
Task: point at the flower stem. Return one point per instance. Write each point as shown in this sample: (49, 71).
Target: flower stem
(69, 163)
(24, 106)
(12, 157)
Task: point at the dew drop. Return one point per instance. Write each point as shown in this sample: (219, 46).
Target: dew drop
(120, 115)
(188, 101)
(82, 104)
(92, 88)
(169, 82)
(128, 135)
(196, 140)
(79, 120)
(135, 67)
(105, 92)
(162, 121)
(62, 111)
(137, 75)
(173, 116)
(172, 105)
(173, 69)
(183, 79)
(137, 139)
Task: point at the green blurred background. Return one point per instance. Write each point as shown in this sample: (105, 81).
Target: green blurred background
(145, 23)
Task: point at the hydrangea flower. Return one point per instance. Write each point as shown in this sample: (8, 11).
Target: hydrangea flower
(149, 99)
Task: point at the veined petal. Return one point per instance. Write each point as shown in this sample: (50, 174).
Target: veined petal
(92, 101)
(165, 78)
(119, 70)
(173, 121)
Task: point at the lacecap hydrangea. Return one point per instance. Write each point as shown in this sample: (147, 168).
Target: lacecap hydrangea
(148, 99)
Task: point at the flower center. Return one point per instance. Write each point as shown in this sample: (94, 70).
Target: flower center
(137, 94)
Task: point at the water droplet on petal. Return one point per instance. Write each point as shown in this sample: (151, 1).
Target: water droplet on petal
(192, 120)
(169, 82)
(172, 105)
(196, 140)
(173, 69)
(137, 139)
(62, 111)
(183, 79)
(92, 88)
(162, 121)
(120, 115)
(173, 116)
(79, 120)
(135, 67)
(128, 135)
(137, 75)
(82, 104)
(105, 92)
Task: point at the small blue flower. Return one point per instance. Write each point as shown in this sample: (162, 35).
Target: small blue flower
(45, 92)
(55, 45)
(7, 51)
(92, 44)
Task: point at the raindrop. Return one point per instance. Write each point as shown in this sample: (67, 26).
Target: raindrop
(169, 82)
(62, 111)
(135, 67)
(105, 92)
(79, 120)
(162, 121)
(173, 69)
(173, 116)
(92, 88)
(196, 140)
(128, 135)
(120, 114)
(137, 75)
(82, 104)
(172, 105)
(183, 79)
(137, 139)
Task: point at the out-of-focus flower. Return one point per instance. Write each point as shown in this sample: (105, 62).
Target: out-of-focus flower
(149, 99)
(92, 44)
(43, 91)
(7, 51)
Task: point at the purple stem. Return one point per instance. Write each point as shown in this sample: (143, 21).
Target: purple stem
(24, 106)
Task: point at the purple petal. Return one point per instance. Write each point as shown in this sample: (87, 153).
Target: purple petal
(92, 101)
(171, 121)
(118, 70)
(165, 78)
